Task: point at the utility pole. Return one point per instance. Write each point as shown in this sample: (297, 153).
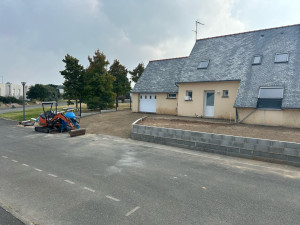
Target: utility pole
(23, 83)
(196, 31)
(2, 79)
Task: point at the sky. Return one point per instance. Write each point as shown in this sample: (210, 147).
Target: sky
(35, 35)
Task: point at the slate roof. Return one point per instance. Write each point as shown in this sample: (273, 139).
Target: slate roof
(231, 59)
(160, 76)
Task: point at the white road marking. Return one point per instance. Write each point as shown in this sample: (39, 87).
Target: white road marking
(70, 182)
(5, 157)
(51, 175)
(204, 188)
(25, 164)
(38, 169)
(89, 189)
(132, 211)
(14, 160)
(112, 198)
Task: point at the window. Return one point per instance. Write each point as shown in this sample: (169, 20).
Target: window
(225, 94)
(141, 97)
(188, 96)
(171, 95)
(281, 57)
(256, 60)
(150, 96)
(145, 96)
(270, 98)
(203, 64)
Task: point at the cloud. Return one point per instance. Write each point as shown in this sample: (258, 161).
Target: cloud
(36, 35)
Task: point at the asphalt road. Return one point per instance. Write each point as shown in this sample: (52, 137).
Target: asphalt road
(97, 179)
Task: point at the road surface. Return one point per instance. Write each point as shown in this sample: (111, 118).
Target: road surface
(98, 179)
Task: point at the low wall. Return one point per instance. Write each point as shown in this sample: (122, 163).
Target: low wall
(251, 148)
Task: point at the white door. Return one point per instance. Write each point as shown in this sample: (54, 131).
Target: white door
(147, 103)
(209, 104)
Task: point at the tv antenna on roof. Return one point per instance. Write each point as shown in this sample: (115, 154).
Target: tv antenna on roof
(196, 31)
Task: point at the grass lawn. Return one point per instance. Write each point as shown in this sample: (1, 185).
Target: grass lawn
(29, 113)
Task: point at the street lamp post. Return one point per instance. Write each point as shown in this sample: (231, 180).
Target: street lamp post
(23, 83)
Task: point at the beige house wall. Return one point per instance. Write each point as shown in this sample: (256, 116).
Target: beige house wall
(285, 117)
(135, 102)
(165, 105)
(223, 107)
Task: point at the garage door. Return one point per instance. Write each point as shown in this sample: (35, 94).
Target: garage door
(147, 103)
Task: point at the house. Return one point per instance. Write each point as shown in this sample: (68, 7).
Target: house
(251, 77)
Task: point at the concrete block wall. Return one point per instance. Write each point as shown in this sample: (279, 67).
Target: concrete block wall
(245, 147)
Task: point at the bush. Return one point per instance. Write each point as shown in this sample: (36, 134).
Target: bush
(9, 100)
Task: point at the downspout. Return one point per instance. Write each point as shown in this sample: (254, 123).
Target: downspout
(236, 115)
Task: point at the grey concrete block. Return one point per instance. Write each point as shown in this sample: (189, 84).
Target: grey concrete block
(206, 135)
(226, 143)
(276, 150)
(228, 138)
(215, 141)
(293, 159)
(233, 149)
(134, 129)
(262, 148)
(239, 139)
(205, 140)
(217, 136)
(263, 154)
(251, 140)
(147, 132)
(246, 151)
(154, 131)
(280, 157)
(292, 145)
(278, 144)
(221, 148)
(264, 142)
(250, 146)
(238, 144)
(234, 154)
(141, 129)
(161, 134)
(291, 151)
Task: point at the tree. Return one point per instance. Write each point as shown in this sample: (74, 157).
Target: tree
(137, 72)
(73, 74)
(121, 84)
(98, 83)
(42, 92)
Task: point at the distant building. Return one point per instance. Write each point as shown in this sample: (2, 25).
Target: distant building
(13, 90)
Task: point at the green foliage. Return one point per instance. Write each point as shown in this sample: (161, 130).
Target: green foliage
(121, 83)
(8, 100)
(74, 78)
(98, 88)
(43, 92)
(137, 72)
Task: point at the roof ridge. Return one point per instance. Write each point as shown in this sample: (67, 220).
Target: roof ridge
(245, 32)
(169, 59)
